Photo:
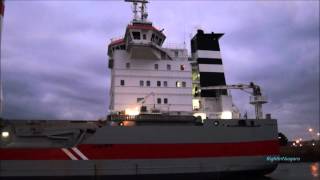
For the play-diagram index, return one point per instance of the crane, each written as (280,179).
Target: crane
(256,97)
(143,100)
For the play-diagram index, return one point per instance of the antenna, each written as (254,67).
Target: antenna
(142,17)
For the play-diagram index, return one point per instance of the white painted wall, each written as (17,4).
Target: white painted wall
(207,54)
(122,97)
(211,68)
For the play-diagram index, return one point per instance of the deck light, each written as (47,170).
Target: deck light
(5,134)
(226,115)
(132,111)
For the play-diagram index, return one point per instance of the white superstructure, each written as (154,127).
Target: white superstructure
(147,78)
(146,75)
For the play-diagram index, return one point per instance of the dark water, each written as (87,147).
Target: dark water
(285,171)
(296,171)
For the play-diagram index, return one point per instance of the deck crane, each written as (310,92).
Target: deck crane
(256,98)
(143,100)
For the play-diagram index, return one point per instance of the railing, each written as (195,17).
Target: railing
(175,45)
(258,99)
(116,38)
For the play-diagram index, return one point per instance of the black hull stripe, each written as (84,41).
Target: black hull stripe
(209,61)
(245,174)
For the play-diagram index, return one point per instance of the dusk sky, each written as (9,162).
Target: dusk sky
(54,54)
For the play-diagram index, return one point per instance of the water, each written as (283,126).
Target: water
(290,171)
(284,171)
(296,171)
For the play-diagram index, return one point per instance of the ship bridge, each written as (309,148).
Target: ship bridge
(142,40)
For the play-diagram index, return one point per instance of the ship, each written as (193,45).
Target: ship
(170,114)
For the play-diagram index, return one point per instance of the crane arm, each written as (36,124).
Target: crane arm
(256,88)
(142,101)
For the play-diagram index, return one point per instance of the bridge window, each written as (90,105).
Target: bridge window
(136,35)
(152,37)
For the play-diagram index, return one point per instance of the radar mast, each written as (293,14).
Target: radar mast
(139,10)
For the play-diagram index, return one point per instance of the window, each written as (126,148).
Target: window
(168,67)
(144,36)
(158,83)
(141,83)
(159,42)
(165,101)
(178,84)
(159,100)
(176,53)
(163,55)
(136,35)
(184,84)
(122,82)
(156,66)
(182,67)
(127,65)
(140,99)
(152,37)
(165,83)
(148,83)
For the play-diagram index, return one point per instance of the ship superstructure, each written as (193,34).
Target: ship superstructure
(148,78)
(144,75)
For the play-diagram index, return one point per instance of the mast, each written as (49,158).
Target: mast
(1,90)
(141,15)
